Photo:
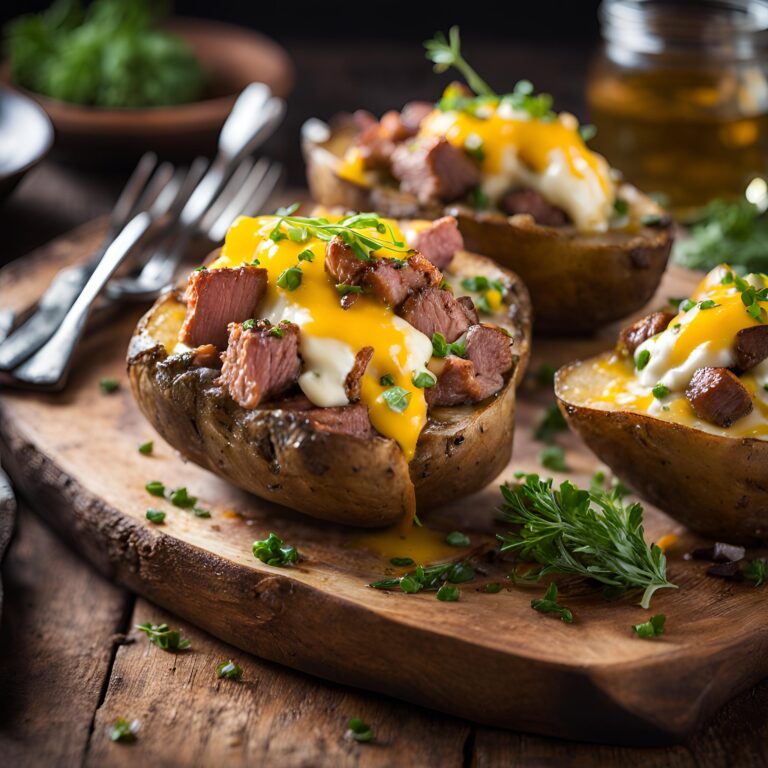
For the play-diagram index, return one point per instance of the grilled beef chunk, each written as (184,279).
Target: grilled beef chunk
(346,420)
(377,139)
(260,362)
(218,297)
(634,335)
(488,347)
(751,346)
(717,396)
(479,375)
(206,356)
(440,241)
(532,202)
(390,280)
(469,309)
(434,169)
(352,382)
(414,113)
(436,311)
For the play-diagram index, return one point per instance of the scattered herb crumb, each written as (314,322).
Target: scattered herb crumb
(549,604)
(164,637)
(156,516)
(448,593)
(401,562)
(109,386)
(359,730)
(457,539)
(229,670)
(145,449)
(155,488)
(757,571)
(553,457)
(552,424)
(122,731)
(492,588)
(274,551)
(654,627)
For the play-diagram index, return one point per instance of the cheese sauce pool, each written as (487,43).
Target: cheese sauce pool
(331,336)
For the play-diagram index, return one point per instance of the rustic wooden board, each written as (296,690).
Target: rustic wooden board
(488,657)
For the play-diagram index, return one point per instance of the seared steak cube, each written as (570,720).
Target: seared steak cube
(717,396)
(440,241)
(751,346)
(531,202)
(634,335)
(434,310)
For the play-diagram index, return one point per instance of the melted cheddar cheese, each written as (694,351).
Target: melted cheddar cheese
(331,336)
(702,336)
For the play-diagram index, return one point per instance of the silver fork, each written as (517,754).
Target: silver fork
(17,345)
(247,192)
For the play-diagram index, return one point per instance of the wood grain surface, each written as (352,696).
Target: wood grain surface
(488,657)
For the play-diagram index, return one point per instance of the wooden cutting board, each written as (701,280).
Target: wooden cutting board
(488,657)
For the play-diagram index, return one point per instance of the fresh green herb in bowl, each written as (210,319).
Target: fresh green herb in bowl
(110,54)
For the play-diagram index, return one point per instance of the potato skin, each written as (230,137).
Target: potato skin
(578,282)
(278,455)
(717,486)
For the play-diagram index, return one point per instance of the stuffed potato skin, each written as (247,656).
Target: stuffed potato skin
(578,282)
(278,455)
(717,486)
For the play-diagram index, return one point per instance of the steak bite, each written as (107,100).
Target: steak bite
(350,420)
(717,396)
(634,335)
(469,309)
(352,382)
(436,311)
(261,361)
(480,375)
(533,203)
(217,297)
(440,241)
(751,346)
(434,169)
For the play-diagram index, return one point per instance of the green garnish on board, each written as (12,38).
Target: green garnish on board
(274,551)
(164,637)
(113,53)
(553,457)
(427,578)
(756,571)
(654,627)
(549,604)
(359,731)
(145,449)
(108,385)
(551,425)
(123,731)
(592,534)
(229,670)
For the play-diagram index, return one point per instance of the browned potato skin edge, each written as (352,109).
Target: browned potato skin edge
(578,283)
(277,455)
(709,483)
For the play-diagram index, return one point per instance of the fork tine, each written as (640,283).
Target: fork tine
(192,177)
(231,191)
(257,190)
(125,207)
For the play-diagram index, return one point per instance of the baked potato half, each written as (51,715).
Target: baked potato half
(679,411)
(578,281)
(280,455)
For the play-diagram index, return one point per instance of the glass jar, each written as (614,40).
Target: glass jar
(679,96)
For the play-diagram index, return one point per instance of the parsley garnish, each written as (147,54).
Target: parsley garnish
(274,551)
(156,516)
(180,497)
(750,296)
(641,359)
(660,391)
(424,380)
(446,53)
(229,670)
(145,449)
(757,571)
(553,457)
(290,279)
(448,593)
(249,324)
(164,637)
(441,348)
(544,376)
(109,386)
(276,331)
(387,380)
(621,206)
(156,488)
(457,539)
(401,562)
(122,731)
(430,578)
(306,255)
(549,604)
(478,199)
(708,304)
(654,627)
(587,132)
(493,588)
(585,533)
(552,423)
(396,398)
(359,730)
(344,288)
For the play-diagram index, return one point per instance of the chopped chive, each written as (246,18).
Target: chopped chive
(156,488)
(660,391)
(396,398)
(290,279)
(642,358)
(146,448)
(156,516)
(108,386)
(448,593)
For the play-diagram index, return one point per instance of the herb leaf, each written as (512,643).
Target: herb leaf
(164,637)
(145,449)
(446,53)
(109,386)
(156,516)
(122,731)
(359,730)
(549,604)
(229,670)
(585,533)
(396,398)
(654,627)
(457,539)
(552,423)
(757,571)
(553,457)
(274,551)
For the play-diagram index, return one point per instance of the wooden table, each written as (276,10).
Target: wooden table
(72,662)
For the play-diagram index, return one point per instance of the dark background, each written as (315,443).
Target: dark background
(346,56)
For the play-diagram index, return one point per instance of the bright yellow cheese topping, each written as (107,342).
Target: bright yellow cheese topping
(400,350)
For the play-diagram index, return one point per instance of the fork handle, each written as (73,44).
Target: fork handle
(49,366)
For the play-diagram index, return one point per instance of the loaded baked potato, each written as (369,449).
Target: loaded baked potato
(324,364)
(524,186)
(680,409)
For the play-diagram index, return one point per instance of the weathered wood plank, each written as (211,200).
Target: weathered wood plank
(56,646)
(273,716)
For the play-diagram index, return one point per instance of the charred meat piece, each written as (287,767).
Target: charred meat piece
(260,362)
(531,202)
(346,420)
(751,346)
(440,241)
(352,382)
(436,311)
(456,384)
(217,297)
(434,169)
(342,264)
(469,309)
(488,347)
(377,139)
(717,396)
(414,113)
(634,335)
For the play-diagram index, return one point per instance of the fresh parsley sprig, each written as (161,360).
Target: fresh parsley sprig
(274,551)
(750,296)
(164,637)
(584,533)
(549,604)
(446,53)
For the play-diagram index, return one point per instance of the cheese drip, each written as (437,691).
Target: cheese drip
(331,336)
(697,338)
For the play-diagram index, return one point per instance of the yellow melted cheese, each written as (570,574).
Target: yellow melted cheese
(694,339)
(331,336)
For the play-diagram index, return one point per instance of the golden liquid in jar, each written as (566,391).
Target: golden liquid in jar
(691,136)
